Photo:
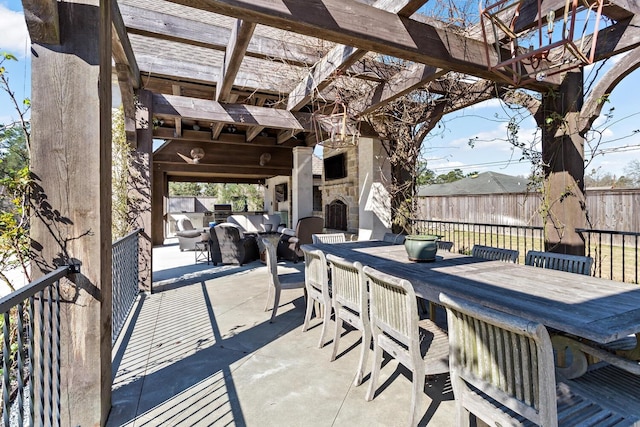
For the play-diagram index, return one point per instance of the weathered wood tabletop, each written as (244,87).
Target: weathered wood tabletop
(597,309)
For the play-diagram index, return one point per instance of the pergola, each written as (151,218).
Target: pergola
(241,78)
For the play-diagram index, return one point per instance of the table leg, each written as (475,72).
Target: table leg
(571,362)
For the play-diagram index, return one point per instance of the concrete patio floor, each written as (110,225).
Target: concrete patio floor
(200,351)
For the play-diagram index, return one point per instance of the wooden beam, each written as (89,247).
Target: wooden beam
(597,96)
(253,132)
(122,51)
(206,73)
(286,135)
(620,37)
(216,129)
(210,35)
(339,59)
(213,111)
(221,168)
(221,153)
(405,81)
(128,102)
(350,22)
(42,21)
(177,91)
(236,48)
(214,179)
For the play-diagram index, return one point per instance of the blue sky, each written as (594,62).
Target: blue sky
(444,151)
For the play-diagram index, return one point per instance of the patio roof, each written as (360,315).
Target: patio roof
(247,77)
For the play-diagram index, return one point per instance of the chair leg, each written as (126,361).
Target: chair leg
(307,315)
(325,324)
(336,335)
(266,307)
(276,302)
(416,395)
(364,352)
(375,370)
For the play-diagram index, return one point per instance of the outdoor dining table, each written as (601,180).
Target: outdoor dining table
(591,308)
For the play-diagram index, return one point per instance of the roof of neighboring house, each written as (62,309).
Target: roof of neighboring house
(483,183)
(316,165)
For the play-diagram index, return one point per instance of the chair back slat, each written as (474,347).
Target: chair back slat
(502,357)
(328,238)
(495,254)
(393,305)
(562,262)
(346,284)
(315,270)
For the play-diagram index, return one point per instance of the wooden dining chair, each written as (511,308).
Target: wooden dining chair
(396,239)
(316,277)
(502,371)
(328,238)
(444,245)
(278,282)
(351,305)
(495,254)
(419,345)
(563,262)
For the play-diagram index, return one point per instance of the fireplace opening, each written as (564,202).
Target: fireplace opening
(336,215)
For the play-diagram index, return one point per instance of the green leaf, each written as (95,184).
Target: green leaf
(27,102)
(9,56)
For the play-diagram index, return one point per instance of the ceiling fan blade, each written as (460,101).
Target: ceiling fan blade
(187,159)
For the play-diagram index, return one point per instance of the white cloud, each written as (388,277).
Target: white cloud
(15,35)
(490,103)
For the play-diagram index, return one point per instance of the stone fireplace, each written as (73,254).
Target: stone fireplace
(340,189)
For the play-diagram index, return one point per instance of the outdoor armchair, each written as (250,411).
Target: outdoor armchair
(228,245)
(291,240)
(188,235)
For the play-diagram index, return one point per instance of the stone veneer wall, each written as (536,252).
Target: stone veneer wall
(344,189)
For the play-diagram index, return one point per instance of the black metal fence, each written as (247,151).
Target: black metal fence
(31,352)
(125,278)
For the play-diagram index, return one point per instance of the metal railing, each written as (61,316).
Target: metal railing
(466,234)
(31,351)
(615,253)
(125,286)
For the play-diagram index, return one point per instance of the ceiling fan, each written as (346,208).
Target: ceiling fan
(196,154)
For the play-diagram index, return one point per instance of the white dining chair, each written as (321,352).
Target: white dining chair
(316,277)
(278,282)
(420,345)
(328,238)
(351,305)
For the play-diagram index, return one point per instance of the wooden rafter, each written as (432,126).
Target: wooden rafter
(121,46)
(340,58)
(334,20)
(236,48)
(163,26)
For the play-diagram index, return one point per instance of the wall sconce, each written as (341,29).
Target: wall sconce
(264,158)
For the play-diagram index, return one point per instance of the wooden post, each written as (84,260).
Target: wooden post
(140,186)
(71,164)
(564,207)
(160,190)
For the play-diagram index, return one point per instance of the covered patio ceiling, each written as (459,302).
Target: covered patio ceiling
(239,79)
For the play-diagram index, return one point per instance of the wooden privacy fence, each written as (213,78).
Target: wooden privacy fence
(607,209)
